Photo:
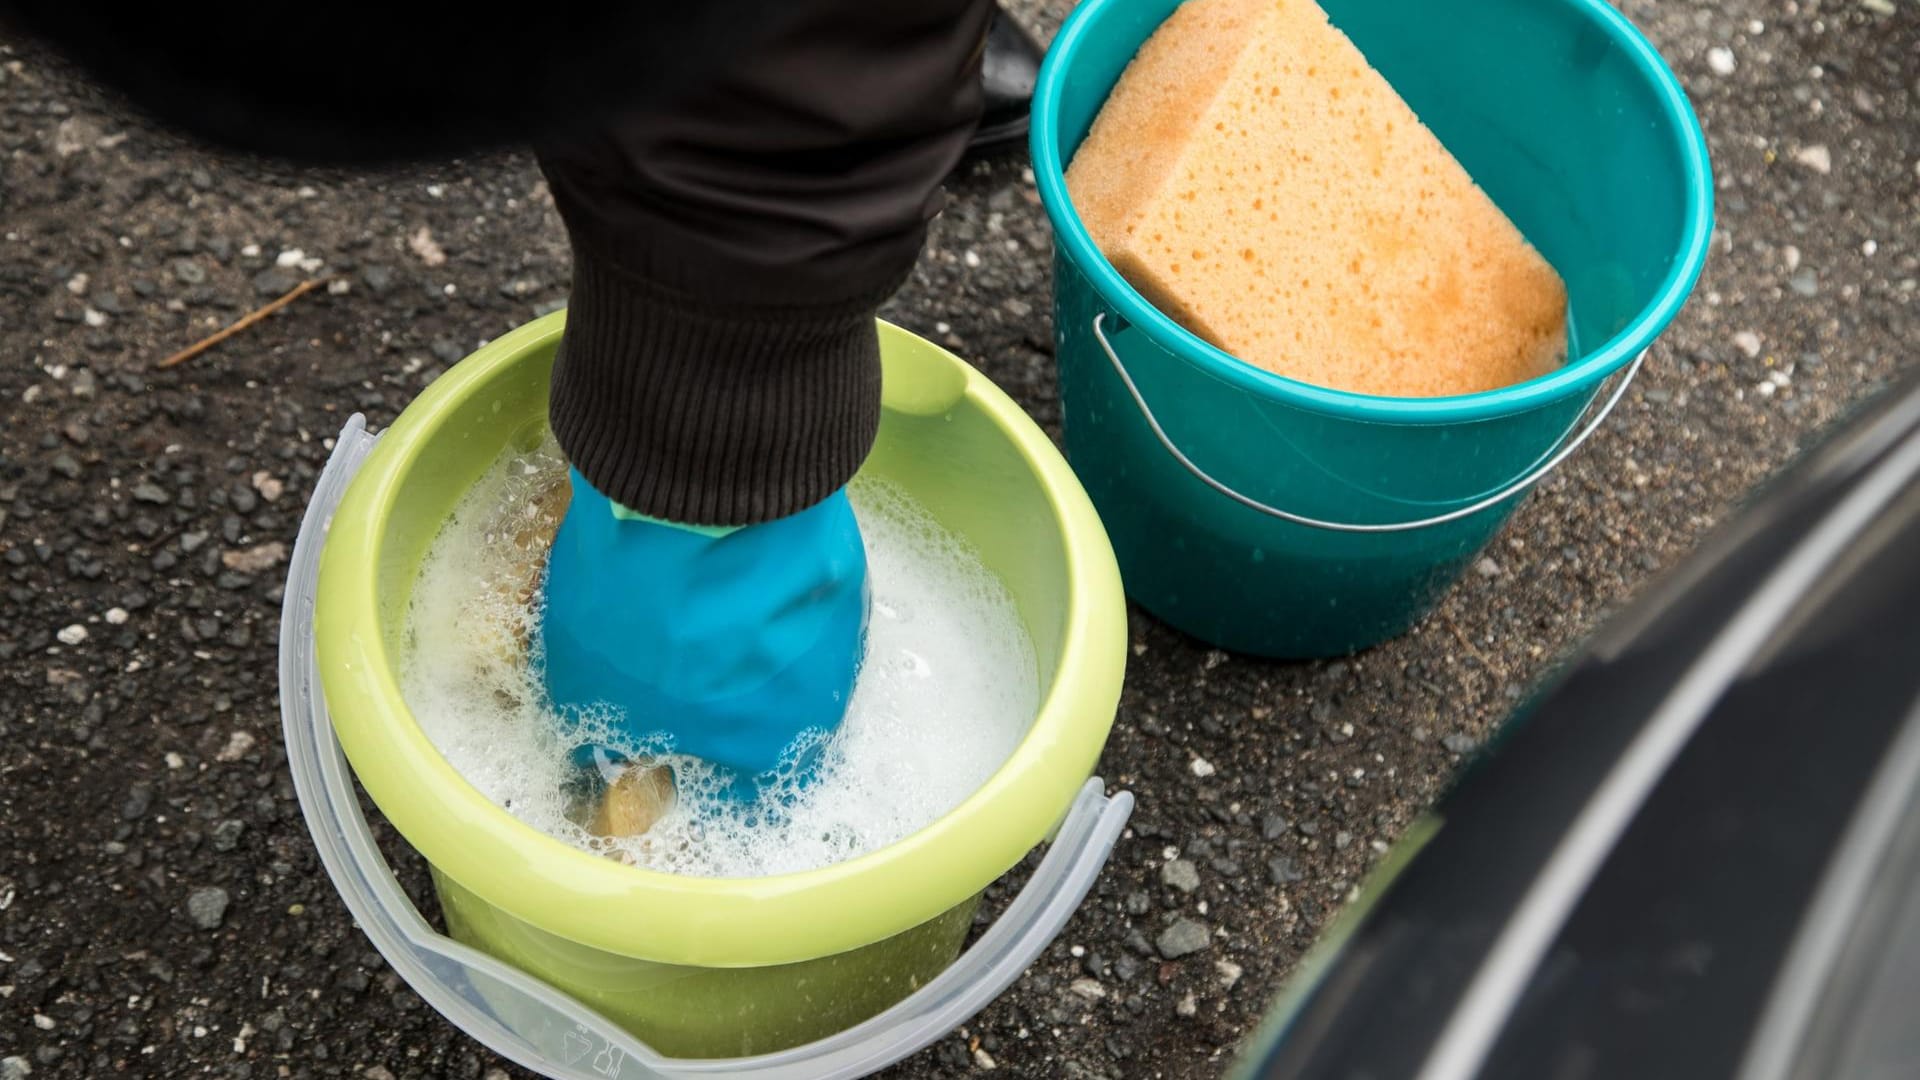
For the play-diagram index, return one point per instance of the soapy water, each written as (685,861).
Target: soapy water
(947,689)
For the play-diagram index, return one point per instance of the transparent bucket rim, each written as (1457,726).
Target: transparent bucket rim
(569,1040)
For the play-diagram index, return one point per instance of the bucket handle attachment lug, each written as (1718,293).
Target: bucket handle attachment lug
(1567,447)
(552,1032)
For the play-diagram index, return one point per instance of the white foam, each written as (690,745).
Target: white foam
(948,688)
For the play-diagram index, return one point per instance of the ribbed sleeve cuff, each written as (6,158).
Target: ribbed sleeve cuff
(709,414)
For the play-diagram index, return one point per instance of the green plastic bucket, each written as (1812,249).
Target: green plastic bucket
(1269,516)
(694,967)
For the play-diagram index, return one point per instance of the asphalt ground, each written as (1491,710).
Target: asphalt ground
(161,910)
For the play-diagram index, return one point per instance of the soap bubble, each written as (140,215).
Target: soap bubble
(952,689)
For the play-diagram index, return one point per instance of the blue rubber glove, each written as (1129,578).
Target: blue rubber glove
(726,644)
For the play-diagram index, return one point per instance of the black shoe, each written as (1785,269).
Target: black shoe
(1008,71)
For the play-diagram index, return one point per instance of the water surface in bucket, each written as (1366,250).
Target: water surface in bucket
(948,688)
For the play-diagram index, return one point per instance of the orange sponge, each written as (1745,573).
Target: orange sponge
(1258,182)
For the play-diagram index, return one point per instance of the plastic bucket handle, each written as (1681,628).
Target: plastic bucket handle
(1568,444)
(572,1041)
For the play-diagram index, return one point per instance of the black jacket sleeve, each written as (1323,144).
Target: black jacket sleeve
(367,84)
(743,181)
(721,362)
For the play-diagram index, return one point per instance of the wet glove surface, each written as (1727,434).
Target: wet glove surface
(728,645)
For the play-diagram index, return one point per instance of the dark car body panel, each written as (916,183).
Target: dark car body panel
(1799,622)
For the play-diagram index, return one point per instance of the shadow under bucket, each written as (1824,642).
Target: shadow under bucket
(1270,516)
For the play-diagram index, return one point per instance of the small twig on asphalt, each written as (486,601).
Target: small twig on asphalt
(158,542)
(242,323)
(1466,642)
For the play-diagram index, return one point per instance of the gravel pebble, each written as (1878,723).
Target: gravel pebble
(72,635)
(1816,157)
(139,798)
(1088,988)
(1183,938)
(274,282)
(207,907)
(1282,871)
(1720,60)
(1273,827)
(423,245)
(1180,874)
(237,746)
(226,835)
(147,491)
(255,559)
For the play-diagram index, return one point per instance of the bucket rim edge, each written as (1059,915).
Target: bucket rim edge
(698,921)
(1580,376)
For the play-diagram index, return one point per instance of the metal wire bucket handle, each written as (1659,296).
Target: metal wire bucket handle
(1567,447)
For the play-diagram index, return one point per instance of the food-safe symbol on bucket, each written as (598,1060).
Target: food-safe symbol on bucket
(609,1062)
(582,1041)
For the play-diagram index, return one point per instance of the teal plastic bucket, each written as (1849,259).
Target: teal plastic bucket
(1269,516)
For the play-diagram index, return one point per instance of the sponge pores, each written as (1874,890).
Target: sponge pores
(1256,180)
